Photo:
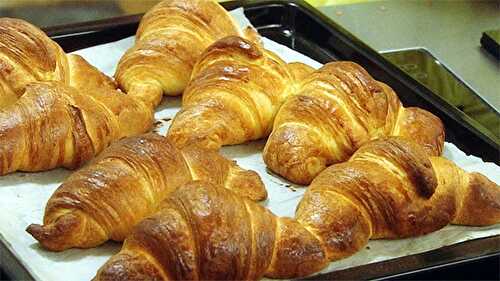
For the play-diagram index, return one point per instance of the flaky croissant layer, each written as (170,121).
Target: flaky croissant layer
(53,125)
(27,55)
(56,110)
(203,232)
(126,183)
(170,38)
(389,189)
(337,109)
(234,93)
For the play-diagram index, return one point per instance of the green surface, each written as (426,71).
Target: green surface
(450,30)
(495,35)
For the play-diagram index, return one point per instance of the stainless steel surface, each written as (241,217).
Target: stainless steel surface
(450,30)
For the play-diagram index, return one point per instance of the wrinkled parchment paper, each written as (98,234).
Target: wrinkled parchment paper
(23,195)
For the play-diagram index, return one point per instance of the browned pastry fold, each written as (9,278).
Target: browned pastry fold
(390,188)
(56,110)
(53,125)
(235,91)
(27,55)
(170,38)
(203,232)
(126,183)
(337,109)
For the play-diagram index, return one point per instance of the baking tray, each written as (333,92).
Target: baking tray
(301,27)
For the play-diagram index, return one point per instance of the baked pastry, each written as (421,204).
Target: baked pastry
(202,232)
(338,108)
(171,37)
(126,183)
(390,188)
(54,125)
(56,110)
(235,91)
(27,55)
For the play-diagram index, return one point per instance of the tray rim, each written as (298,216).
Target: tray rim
(74,29)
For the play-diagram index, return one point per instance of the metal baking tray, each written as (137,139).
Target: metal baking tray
(301,27)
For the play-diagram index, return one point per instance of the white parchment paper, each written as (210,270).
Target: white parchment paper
(23,195)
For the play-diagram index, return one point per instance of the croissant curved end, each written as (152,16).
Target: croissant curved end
(60,235)
(288,157)
(247,183)
(54,236)
(480,202)
(124,267)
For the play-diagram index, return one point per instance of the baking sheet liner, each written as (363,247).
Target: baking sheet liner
(23,195)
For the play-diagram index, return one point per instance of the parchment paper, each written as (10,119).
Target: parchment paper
(23,195)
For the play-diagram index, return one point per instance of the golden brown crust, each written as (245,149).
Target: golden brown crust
(406,155)
(337,109)
(84,76)
(422,127)
(54,125)
(56,109)
(204,232)
(481,202)
(27,55)
(96,200)
(233,96)
(390,188)
(170,38)
(477,197)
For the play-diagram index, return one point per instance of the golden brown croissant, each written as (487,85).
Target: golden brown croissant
(235,91)
(127,182)
(338,108)
(202,232)
(54,125)
(27,55)
(56,109)
(389,189)
(170,38)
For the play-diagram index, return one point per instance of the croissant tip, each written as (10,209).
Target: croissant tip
(34,230)
(42,234)
(55,236)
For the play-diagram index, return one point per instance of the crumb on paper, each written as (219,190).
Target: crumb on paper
(289,186)
(159,123)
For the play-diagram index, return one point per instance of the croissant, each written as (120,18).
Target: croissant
(337,109)
(202,232)
(236,89)
(56,109)
(54,125)
(390,188)
(27,55)
(170,38)
(126,183)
